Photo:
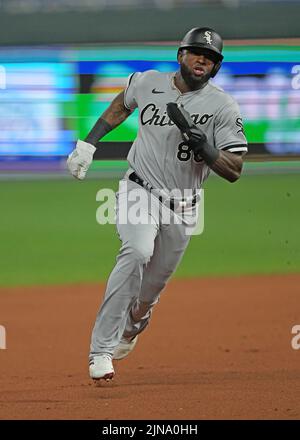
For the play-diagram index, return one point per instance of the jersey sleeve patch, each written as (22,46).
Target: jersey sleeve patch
(229,130)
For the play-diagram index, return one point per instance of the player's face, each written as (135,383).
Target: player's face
(195,66)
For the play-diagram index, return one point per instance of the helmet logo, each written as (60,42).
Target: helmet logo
(207,36)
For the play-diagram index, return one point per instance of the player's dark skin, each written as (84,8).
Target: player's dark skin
(228,165)
(189,78)
(116,113)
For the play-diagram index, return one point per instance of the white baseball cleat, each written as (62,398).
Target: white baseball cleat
(101,367)
(124,348)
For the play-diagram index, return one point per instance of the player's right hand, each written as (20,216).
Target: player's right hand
(80,159)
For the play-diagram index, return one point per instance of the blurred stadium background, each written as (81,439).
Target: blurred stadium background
(62,62)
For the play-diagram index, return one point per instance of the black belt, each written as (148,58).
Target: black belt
(171,202)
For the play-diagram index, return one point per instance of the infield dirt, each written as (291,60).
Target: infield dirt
(217,348)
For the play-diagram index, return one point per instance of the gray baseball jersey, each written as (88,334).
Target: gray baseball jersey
(152,250)
(159,155)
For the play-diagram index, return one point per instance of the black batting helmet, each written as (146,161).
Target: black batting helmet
(208,39)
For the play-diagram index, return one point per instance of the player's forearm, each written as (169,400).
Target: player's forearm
(116,112)
(113,116)
(228,165)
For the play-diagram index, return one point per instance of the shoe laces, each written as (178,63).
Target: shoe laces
(102,357)
(127,340)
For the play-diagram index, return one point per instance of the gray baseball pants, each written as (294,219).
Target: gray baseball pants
(150,253)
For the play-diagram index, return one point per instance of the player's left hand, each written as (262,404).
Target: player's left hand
(80,159)
(191,134)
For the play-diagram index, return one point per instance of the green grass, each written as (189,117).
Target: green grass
(49,234)
(251,227)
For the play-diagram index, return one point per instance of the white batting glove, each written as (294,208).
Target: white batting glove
(80,159)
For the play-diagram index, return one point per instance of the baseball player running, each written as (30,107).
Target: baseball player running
(187,127)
